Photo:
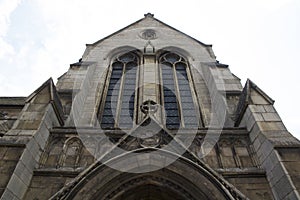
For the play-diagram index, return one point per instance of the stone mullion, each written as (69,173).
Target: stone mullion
(119,104)
(137,93)
(162,97)
(236,157)
(178,98)
(104,94)
(219,157)
(194,95)
(78,157)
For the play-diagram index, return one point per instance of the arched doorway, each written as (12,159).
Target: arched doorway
(182,179)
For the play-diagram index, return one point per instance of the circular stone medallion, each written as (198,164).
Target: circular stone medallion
(148,34)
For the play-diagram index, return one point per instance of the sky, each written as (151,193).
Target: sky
(258,39)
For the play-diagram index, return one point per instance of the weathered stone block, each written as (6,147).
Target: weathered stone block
(7,194)
(23,173)
(2,152)
(28,124)
(257,108)
(282,188)
(13,153)
(271,117)
(17,186)
(271,126)
(269,108)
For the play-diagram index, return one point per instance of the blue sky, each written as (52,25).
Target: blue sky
(259,39)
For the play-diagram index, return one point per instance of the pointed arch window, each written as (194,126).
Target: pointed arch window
(71,153)
(177,94)
(119,106)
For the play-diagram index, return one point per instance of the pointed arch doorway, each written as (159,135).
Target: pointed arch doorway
(182,179)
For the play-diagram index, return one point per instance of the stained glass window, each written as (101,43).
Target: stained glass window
(118,109)
(177,95)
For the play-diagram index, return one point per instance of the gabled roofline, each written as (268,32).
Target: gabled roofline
(54,99)
(261,92)
(245,99)
(148,15)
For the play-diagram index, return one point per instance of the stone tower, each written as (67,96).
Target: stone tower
(147,113)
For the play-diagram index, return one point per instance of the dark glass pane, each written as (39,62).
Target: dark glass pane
(172,126)
(129,61)
(172,58)
(168,76)
(169,99)
(184,87)
(129,81)
(116,73)
(190,120)
(114,86)
(188,111)
(107,126)
(128,57)
(131,72)
(172,122)
(131,66)
(172,113)
(129,87)
(108,120)
(182,76)
(187,99)
(128,92)
(107,112)
(183,82)
(117,65)
(172,106)
(112,96)
(168,93)
(130,76)
(112,92)
(185,93)
(128,96)
(168,82)
(180,66)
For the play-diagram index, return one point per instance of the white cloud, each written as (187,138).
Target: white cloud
(258,39)
(6,8)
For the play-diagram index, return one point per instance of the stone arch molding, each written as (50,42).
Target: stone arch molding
(111,55)
(176,50)
(183,179)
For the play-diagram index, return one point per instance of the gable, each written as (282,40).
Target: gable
(161,35)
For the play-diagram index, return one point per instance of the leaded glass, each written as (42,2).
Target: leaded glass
(172,63)
(124,71)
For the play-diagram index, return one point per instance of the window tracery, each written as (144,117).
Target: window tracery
(71,154)
(119,106)
(119,109)
(177,95)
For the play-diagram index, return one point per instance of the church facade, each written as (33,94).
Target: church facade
(147,113)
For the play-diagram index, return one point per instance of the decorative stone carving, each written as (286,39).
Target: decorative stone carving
(149,107)
(149,15)
(4,126)
(148,34)
(149,139)
(3,114)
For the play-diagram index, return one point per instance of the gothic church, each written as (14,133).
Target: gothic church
(147,113)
